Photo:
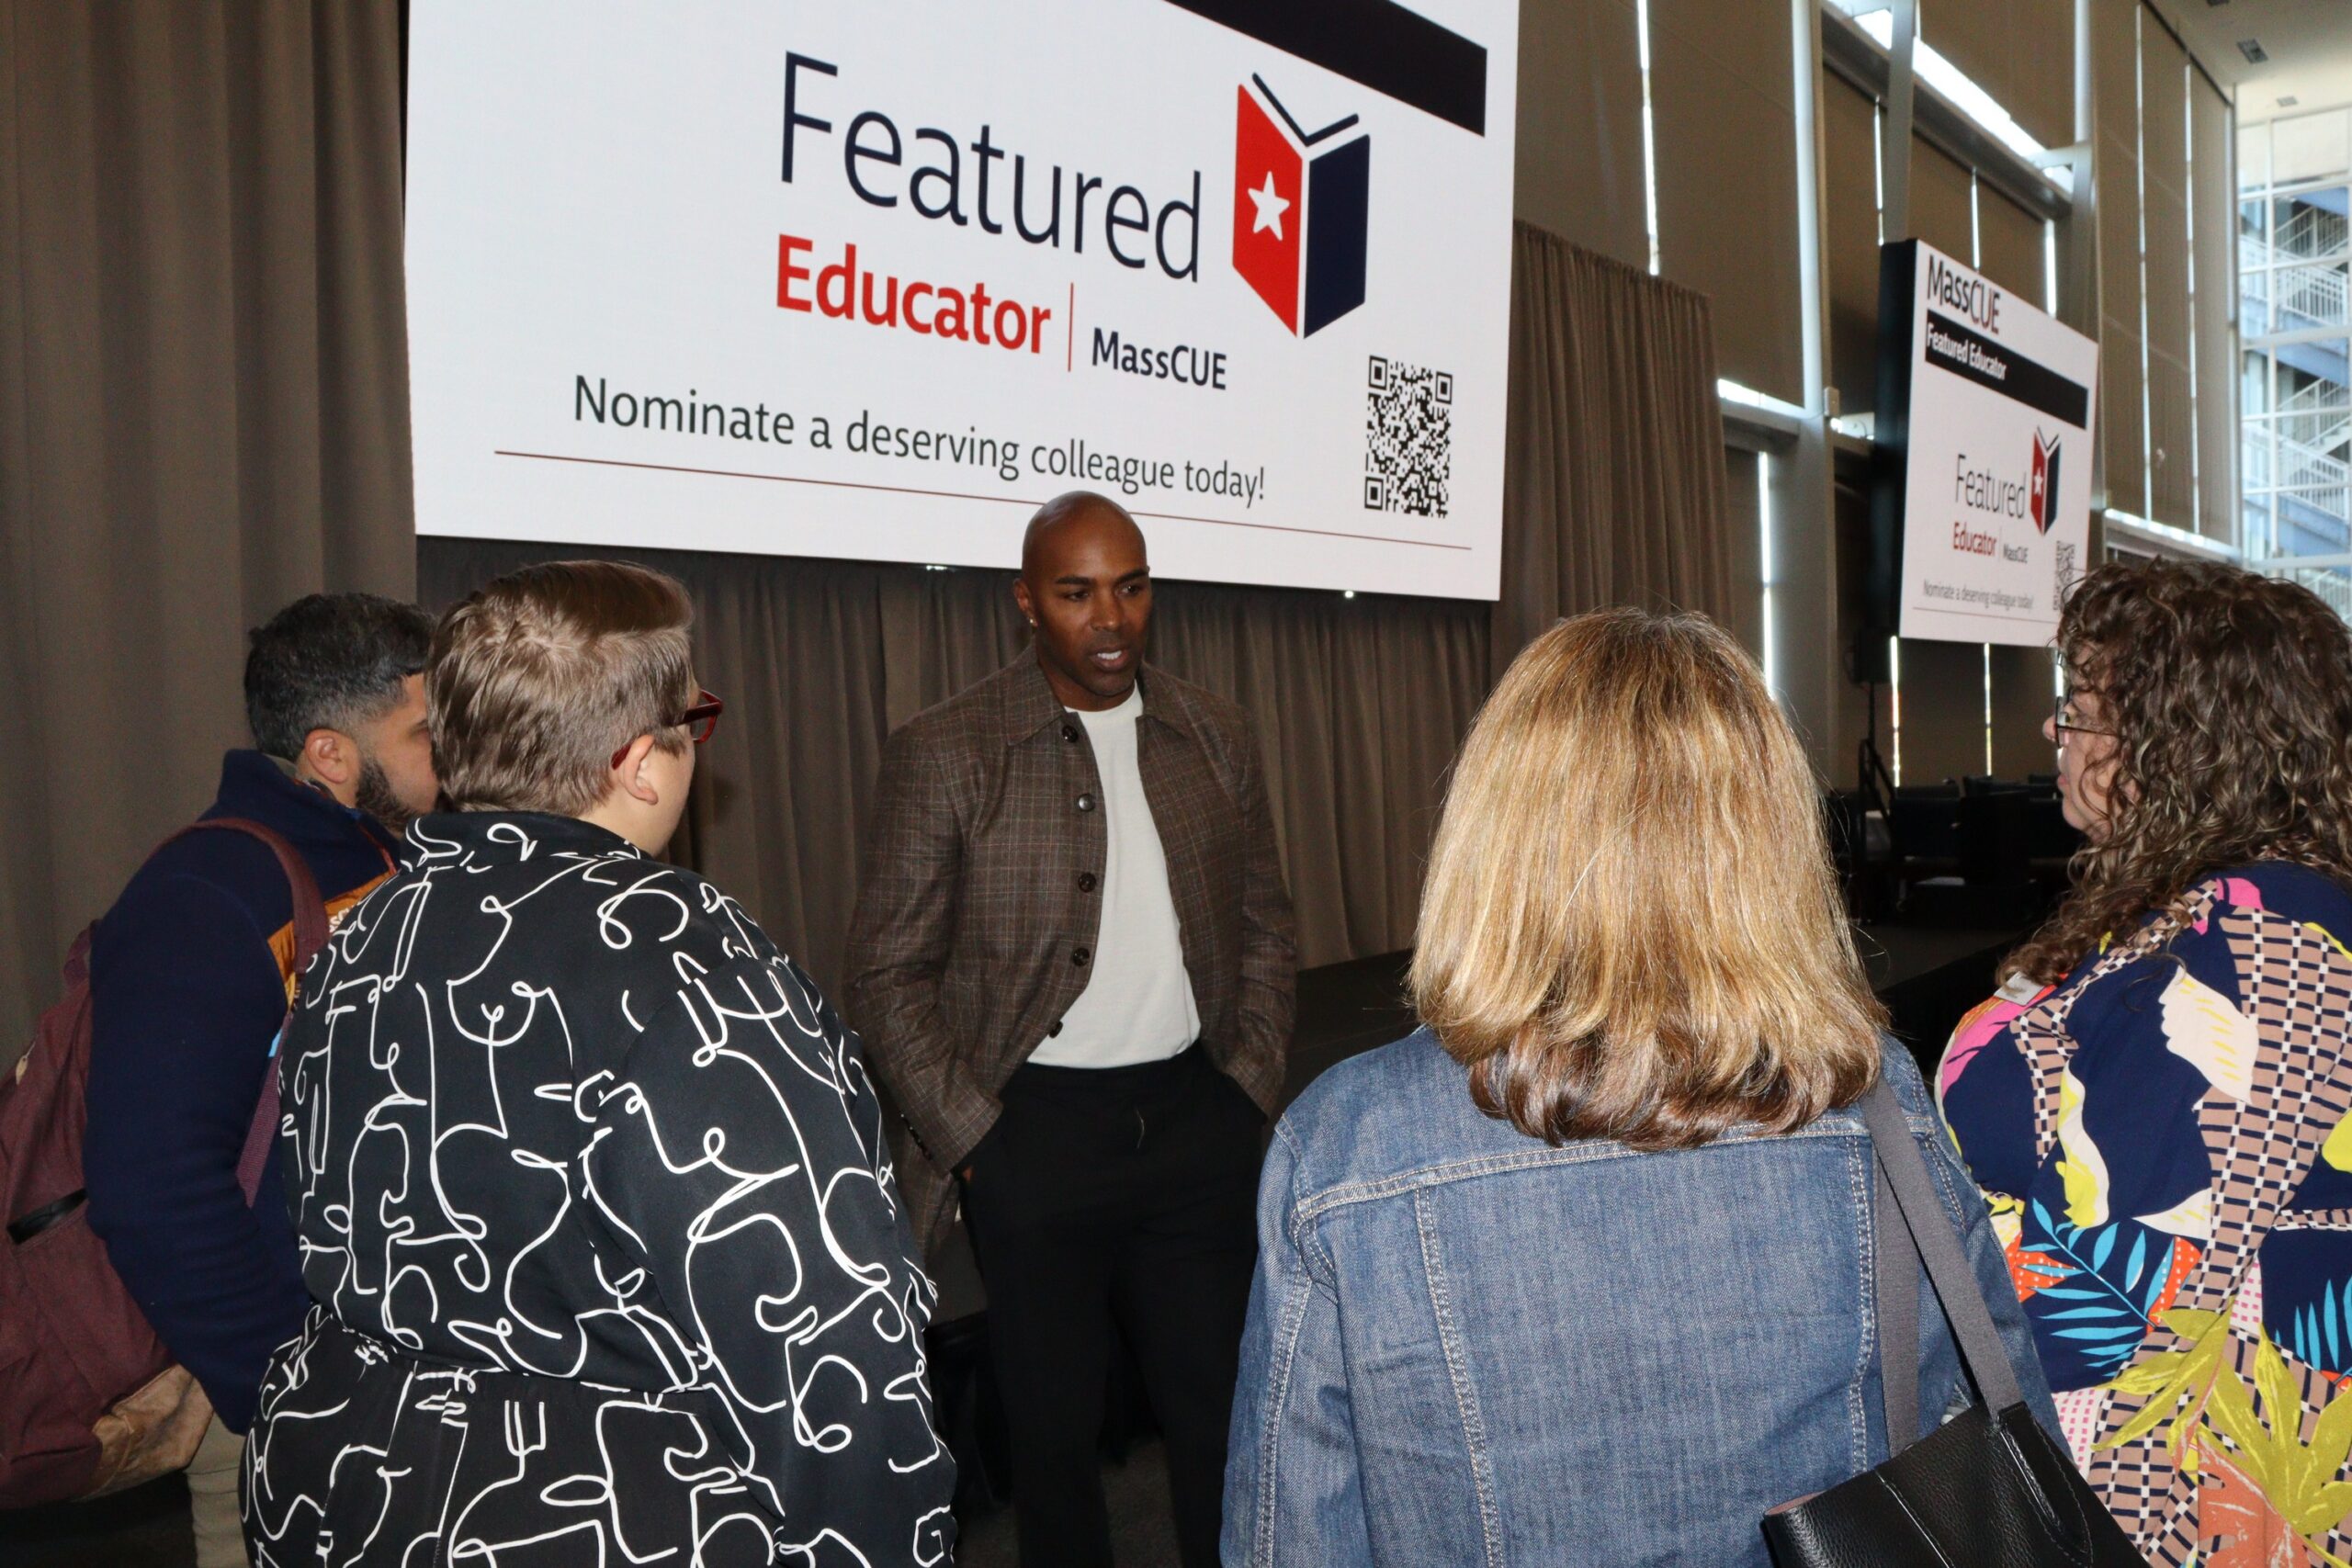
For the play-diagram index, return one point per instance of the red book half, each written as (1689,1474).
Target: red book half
(1286,179)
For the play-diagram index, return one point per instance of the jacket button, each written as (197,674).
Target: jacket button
(1086,882)
(1056,1028)
(1079,955)
(1069,733)
(1086,803)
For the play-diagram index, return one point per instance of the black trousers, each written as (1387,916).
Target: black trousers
(1125,1195)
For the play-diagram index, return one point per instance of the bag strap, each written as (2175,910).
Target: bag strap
(1903,1175)
(310,909)
(310,933)
(1896,1288)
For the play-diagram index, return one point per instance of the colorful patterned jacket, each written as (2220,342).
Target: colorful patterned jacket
(2163,1138)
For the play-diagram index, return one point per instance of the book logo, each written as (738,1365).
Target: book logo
(1301,205)
(2042,500)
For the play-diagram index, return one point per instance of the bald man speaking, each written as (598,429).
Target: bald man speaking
(1072,963)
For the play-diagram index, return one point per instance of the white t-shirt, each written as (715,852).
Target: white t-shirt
(1137,1005)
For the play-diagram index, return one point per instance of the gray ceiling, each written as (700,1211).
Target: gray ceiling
(2309,43)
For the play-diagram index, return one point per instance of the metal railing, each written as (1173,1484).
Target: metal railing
(2332,580)
(2311,233)
(2296,456)
(2297,461)
(2312,430)
(2309,297)
(2318,394)
(2307,252)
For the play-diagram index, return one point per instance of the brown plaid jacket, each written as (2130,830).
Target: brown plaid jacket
(980,905)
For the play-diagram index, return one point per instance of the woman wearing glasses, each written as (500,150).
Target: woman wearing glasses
(607,1259)
(2154,1102)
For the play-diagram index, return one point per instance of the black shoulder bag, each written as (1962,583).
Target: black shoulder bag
(1989,1488)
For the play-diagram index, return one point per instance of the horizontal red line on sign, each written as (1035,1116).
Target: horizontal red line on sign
(963,495)
(1977,615)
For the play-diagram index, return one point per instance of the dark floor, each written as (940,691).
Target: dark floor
(1143,1529)
(144,1528)
(1928,977)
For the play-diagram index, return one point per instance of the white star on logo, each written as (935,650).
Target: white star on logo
(1269,207)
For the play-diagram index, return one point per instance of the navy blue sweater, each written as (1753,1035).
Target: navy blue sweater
(187,996)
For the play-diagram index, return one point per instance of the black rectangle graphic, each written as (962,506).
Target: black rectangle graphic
(1374,43)
(1972,357)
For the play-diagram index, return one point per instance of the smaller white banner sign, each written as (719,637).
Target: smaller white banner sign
(1997,487)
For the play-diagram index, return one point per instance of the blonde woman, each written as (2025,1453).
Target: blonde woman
(1580,1271)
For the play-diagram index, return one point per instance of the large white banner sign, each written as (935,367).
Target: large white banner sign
(1995,435)
(875,280)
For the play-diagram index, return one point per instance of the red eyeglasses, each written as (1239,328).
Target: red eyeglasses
(700,722)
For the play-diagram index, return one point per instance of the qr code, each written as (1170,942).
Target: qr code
(2066,572)
(1408,438)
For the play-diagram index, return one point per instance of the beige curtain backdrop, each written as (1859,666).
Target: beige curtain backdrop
(203,413)
(1359,704)
(1613,476)
(1613,494)
(203,406)
(1726,177)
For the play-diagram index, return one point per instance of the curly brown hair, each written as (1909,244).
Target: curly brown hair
(2230,694)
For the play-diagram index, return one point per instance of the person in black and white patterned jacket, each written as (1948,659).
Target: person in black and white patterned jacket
(608,1257)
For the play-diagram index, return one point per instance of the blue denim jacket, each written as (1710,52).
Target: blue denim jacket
(1468,1347)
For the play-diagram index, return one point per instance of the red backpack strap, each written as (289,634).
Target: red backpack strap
(310,909)
(309,936)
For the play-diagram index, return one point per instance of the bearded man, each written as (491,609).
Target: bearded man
(189,976)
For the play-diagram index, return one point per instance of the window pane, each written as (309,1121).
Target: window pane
(2254,302)
(2306,296)
(2313,375)
(2309,225)
(2310,434)
(2254,525)
(2253,157)
(2312,512)
(2311,522)
(2254,460)
(2330,583)
(2294,456)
